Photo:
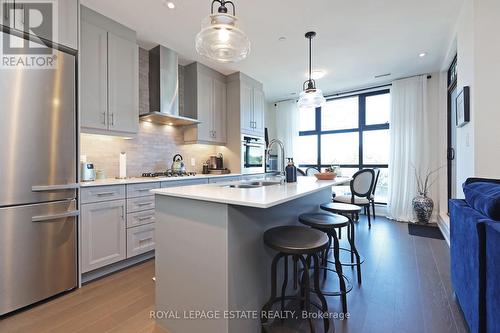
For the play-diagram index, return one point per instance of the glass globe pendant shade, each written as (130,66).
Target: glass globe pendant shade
(311,98)
(221,40)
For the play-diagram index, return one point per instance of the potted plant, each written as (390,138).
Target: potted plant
(422,204)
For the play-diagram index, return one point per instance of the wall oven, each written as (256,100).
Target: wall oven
(253,151)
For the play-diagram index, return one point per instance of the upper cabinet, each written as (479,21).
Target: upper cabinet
(59,19)
(205,100)
(248,101)
(109,76)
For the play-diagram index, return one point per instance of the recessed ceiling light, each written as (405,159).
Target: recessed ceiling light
(423,54)
(169,4)
(282,39)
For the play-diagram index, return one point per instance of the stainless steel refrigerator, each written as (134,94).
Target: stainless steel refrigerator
(38,183)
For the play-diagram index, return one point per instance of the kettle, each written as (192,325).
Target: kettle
(178,165)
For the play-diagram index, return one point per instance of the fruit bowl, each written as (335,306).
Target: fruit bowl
(325,175)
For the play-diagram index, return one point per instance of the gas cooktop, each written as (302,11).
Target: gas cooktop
(168,174)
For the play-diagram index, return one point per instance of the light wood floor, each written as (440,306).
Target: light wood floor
(119,303)
(406,288)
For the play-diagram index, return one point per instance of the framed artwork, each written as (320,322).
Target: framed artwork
(463,107)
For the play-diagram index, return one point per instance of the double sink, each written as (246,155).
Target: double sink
(255,184)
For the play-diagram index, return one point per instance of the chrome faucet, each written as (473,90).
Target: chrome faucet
(280,143)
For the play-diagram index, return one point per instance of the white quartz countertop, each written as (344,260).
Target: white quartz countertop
(138,180)
(261,197)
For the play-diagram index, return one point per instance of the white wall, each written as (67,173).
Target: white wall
(271,120)
(478,48)
(465,63)
(487,73)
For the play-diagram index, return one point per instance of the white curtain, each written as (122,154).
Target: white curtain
(287,126)
(413,135)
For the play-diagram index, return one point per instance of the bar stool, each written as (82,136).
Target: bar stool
(349,211)
(302,244)
(328,223)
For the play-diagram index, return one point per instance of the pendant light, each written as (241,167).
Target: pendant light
(310,97)
(220,38)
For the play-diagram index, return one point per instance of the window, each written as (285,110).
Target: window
(352,132)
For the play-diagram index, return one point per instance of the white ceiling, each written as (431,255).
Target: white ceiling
(357,39)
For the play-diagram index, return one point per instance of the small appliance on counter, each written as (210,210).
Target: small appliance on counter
(88,172)
(217,162)
(216,165)
(178,165)
(206,168)
(291,171)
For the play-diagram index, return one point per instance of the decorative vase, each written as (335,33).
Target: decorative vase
(423,207)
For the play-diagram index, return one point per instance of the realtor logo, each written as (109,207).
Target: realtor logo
(35,18)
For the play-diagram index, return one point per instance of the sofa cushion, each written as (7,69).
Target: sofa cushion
(484,197)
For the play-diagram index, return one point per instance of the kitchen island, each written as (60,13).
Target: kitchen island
(212,267)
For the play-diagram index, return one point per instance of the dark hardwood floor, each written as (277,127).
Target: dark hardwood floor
(406,288)
(406,285)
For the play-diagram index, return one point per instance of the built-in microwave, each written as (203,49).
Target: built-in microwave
(253,151)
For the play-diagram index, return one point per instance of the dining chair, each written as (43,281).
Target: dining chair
(372,199)
(361,191)
(311,171)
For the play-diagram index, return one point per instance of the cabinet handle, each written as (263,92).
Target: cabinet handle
(50,188)
(112,115)
(104,193)
(43,218)
(143,189)
(141,241)
(144,218)
(103,117)
(140,204)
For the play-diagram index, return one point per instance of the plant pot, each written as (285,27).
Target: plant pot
(423,207)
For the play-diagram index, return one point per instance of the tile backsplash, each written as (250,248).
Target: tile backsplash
(153,148)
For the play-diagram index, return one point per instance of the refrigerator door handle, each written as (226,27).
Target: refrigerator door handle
(43,218)
(50,188)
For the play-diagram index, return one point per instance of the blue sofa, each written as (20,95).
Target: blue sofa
(475,253)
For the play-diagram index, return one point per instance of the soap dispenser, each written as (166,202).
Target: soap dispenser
(291,172)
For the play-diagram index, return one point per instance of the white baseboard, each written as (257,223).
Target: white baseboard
(444,226)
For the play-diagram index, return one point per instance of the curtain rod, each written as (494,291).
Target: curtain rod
(358,90)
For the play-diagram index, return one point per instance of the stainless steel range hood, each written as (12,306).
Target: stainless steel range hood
(164,89)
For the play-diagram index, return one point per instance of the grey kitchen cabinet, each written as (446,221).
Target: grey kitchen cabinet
(123,80)
(62,26)
(103,234)
(218,180)
(140,204)
(102,193)
(140,239)
(205,100)
(187,182)
(258,111)
(246,104)
(109,76)
(94,77)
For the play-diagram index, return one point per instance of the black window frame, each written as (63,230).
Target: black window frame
(362,128)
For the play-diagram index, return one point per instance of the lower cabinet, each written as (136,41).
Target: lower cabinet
(217,180)
(103,234)
(140,239)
